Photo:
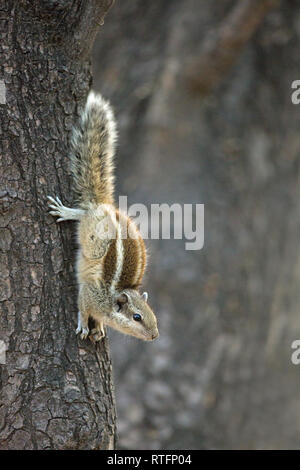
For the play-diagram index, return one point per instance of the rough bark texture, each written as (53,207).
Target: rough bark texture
(220,375)
(56,391)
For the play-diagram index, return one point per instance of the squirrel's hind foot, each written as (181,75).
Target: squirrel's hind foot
(63,212)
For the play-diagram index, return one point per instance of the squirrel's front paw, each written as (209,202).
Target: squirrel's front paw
(84,332)
(97,334)
(81,329)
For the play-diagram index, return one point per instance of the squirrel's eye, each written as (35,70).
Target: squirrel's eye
(137,317)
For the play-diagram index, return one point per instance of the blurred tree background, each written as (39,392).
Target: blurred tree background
(202,94)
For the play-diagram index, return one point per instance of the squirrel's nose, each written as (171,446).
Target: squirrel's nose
(155,335)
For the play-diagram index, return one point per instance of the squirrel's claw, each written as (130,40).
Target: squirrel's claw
(55,201)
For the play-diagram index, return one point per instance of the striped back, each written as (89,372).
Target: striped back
(125,262)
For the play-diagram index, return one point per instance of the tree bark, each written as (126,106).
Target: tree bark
(56,390)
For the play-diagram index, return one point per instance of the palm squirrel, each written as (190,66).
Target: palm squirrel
(112,255)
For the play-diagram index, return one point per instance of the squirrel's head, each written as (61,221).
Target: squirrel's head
(133,316)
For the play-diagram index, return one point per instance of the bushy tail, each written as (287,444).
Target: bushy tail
(93,145)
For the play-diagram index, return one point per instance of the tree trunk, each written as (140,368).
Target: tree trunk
(56,390)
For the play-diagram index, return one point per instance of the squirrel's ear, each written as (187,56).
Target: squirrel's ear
(145,296)
(123,298)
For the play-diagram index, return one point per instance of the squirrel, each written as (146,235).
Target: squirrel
(112,256)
